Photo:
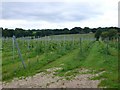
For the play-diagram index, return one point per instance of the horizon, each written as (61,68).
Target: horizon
(57,28)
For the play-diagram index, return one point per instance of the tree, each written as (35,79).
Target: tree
(87,30)
(75,30)
(98,34)
(66,31)
(112,33)
(104,34)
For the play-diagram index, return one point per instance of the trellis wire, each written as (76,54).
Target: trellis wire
(46,41)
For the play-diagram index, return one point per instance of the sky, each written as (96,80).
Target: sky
(52,14)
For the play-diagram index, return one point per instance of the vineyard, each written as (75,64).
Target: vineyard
(69,52)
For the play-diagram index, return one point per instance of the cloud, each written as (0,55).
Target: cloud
(59,14)
(48,11)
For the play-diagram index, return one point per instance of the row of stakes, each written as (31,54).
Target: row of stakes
(15,44)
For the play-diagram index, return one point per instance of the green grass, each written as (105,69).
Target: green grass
(35,58)
(70,36)
(95,60)
(53,53)
(99,61)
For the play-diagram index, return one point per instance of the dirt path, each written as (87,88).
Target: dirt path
(43,80)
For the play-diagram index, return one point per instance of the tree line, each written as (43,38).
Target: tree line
(110,34)
(37,33)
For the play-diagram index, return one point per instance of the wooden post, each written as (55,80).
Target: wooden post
(37,46)
(13,48)
(28,44)
(107,46)
(64,43)
(80,45)
(73,41)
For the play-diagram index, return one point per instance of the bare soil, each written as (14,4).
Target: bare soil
(49,80)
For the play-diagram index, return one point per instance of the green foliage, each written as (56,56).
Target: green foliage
(104,35)
(112,33)
(41,53)
(37,33)
(53,53)
(97,34)
(109,34)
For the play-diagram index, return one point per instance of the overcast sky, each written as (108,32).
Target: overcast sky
(52,14)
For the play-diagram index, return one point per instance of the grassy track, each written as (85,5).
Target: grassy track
(96,61)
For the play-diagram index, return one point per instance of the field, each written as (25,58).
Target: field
(69,52)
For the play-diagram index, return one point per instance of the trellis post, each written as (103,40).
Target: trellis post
(19,52)
(80,45)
